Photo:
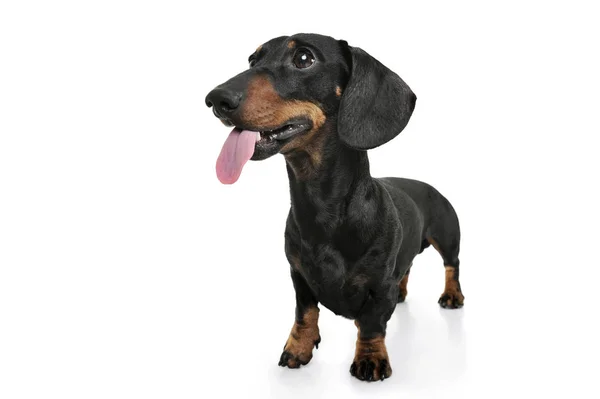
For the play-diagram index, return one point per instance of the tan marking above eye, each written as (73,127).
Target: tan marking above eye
(338,91)
(291,44)
(258,48)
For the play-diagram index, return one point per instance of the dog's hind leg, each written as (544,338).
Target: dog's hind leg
(444,236)
(402,287)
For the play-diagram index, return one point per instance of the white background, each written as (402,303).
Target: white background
(128,271)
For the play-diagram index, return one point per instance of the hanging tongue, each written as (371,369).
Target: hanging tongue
(236,151)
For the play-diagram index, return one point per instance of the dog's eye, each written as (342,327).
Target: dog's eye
(303,58)
(252,62)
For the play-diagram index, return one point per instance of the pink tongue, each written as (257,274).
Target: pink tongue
(236,151)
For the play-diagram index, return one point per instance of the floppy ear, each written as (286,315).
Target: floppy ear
(376,104)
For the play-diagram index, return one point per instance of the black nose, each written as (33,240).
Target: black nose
(223,101)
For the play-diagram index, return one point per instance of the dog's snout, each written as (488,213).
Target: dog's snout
(223,101)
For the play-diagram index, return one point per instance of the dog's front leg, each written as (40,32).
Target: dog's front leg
(371,361)
(305,332)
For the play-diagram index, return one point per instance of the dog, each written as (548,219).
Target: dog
(350,238)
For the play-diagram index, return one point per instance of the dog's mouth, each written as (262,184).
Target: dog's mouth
(243,142)
(284,132)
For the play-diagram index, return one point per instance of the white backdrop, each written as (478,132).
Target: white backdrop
(127,270)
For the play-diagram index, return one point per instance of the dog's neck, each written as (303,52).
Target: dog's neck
(324,181)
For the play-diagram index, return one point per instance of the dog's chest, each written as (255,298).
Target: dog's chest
(327,272)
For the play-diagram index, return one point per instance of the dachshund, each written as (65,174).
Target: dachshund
(350,238)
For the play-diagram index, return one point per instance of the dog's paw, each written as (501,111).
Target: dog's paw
(402,296)
(292,361)
(371,368)
(297,353)
(452,300)
(371,361)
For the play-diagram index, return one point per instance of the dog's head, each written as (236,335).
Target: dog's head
(295,88)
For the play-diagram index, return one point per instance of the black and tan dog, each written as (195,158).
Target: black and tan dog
(350,238)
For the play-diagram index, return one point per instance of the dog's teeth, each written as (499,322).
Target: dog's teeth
(257,136)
